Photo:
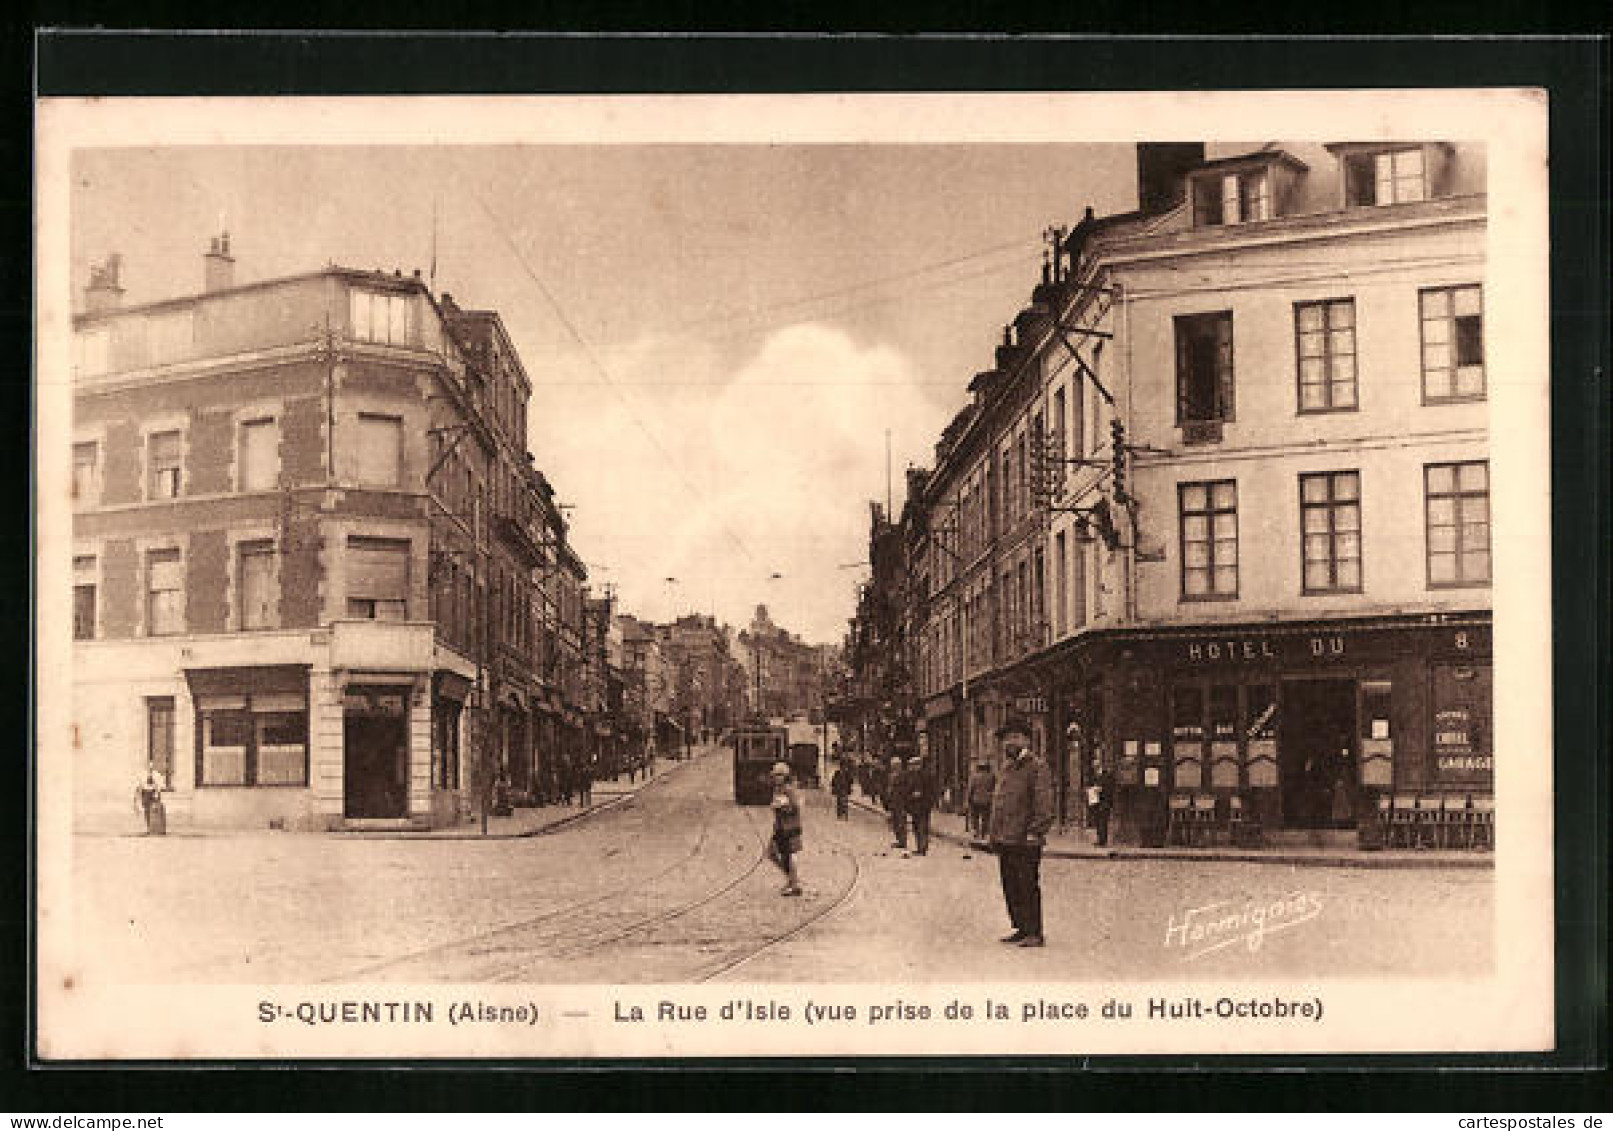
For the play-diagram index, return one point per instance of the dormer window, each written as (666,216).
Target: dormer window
(1234,198)
(1376,174)
(1243,190)
(1385,178)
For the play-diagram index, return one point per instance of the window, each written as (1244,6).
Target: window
(258,739)
(1458,501)
(377,578)
(163,455)
(84,598)
(1453,343)
(1395,177)
(255,583)
(165,593)
(380,450)
(1234,198)
(1325,333)
(1330,521)
(385,318)
(1209,539)
(1204,367)
(160,738)
(259,455)
(86,464)
(1061,582)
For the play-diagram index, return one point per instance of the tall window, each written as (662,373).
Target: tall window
(1204,367)
(1395,177)
(255,583)
(380,450)
(1061,582)
(1326,342)
(163,455)
(86,465)
(379,317)
(377,578)
(84,597)
(160,738)
(1458,501)
(1453,343)
(165,593)
(1209,539)
(1330,517)
(259,455)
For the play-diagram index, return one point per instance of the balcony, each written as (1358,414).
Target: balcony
(376,645)
(517,536)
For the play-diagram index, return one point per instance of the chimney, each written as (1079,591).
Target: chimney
(105,291)
(218,267)
(1161,166)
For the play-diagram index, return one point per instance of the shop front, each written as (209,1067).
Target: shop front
(1306,725)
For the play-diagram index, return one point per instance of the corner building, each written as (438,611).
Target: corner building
(1265,498)
(302,554)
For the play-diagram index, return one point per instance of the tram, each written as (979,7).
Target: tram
(756,747)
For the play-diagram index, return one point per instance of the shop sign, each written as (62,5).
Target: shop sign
(1030,705)
(1238,650)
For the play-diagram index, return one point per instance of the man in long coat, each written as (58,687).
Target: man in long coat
(1021,815)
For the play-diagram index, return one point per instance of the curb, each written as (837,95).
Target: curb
(524,834)
(1369,860)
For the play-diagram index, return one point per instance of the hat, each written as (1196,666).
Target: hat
(780,770)
(1014,725)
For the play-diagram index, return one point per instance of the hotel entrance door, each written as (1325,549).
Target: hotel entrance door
(1316,763)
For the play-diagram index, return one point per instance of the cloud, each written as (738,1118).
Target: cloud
(722,474)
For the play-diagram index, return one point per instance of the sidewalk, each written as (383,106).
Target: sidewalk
(1076,844)
(535,820)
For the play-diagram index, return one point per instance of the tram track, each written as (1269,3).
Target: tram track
(622,930)
(486,941)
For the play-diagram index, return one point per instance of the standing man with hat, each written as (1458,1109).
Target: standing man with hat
(1021,814)
(896,801)
(921,795)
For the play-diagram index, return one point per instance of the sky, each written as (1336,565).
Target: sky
(719,337)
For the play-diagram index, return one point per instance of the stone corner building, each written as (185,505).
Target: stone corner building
(1217,518)
(307,534)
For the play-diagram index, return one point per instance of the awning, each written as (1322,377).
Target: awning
(268,679)
(451,685)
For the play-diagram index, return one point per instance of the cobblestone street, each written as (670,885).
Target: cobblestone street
(669,885)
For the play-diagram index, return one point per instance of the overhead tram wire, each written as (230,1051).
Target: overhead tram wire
(1025,245)
(604,374)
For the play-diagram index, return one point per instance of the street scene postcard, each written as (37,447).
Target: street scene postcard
(793,576)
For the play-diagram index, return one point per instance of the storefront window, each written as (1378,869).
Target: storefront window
(1187,735)
(1260,734)
(1224,736)
(253,740)
(1377,740)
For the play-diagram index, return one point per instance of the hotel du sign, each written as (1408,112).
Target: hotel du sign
(1322,646)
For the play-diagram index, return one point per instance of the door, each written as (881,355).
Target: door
(375,754)
(1316,760)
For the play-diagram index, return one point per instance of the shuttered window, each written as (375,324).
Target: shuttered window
(379,450)
(377,578)
(259,455)
(163,456)
(256,582)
